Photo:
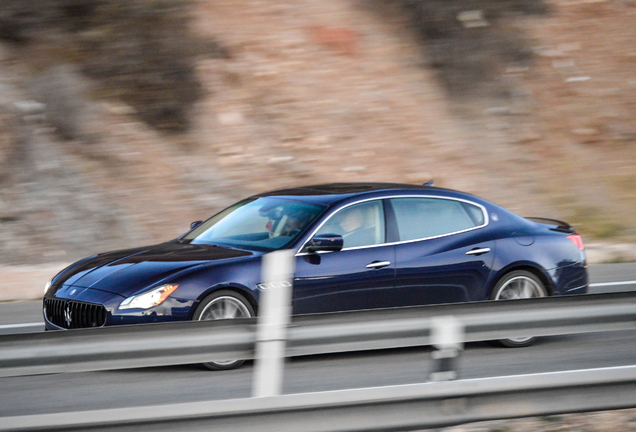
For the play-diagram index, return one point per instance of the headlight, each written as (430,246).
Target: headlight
(148,299)
(47,286)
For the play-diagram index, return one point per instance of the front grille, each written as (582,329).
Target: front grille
(72,314)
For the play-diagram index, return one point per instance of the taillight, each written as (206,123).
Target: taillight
(577,240)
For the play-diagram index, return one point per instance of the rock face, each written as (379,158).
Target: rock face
(47,211)
(519,105)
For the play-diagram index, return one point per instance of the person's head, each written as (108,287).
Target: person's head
(296,221)
(352,219)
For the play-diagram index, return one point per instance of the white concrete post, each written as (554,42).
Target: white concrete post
(447,336)
(273,319)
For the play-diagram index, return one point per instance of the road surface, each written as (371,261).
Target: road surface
(168,385)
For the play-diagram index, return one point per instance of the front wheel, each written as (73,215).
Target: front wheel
(518,284)
(223,305)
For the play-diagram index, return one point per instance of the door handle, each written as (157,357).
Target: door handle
(478,251)
(378,264)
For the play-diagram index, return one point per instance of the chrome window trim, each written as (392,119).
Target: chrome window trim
(483,210)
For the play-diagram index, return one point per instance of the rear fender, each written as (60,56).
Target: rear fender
(544,275)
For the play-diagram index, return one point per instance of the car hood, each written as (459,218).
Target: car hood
(128,271)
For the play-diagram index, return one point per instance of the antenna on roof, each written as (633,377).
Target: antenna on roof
(431,182)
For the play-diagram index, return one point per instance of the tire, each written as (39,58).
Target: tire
(518,284)
(223,305)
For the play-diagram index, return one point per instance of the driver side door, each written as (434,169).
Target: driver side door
(350,278)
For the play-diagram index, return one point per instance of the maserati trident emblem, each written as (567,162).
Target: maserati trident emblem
(67,315)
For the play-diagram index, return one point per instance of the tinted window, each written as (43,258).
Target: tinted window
(359,225)
(419,218)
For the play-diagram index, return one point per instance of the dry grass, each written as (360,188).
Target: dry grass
(596,223)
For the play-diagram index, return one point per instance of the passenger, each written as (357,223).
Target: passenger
(356,229)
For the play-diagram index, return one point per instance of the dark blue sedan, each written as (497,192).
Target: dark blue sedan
(358,246)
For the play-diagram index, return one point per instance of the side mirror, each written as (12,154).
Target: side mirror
(325,243)
(193,225)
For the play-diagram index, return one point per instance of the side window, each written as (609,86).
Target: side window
(359,225)
(419,218)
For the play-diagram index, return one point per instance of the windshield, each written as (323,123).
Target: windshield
(262,224)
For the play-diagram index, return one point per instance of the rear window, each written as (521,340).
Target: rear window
(419,218)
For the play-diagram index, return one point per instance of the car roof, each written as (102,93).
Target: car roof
(329,193)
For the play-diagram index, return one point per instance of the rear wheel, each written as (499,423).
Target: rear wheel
(518,284)
(223,305)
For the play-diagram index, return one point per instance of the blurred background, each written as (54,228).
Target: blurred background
(121,121)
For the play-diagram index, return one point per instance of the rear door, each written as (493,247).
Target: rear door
(443,254)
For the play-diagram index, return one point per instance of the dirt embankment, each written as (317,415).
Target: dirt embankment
(528,103)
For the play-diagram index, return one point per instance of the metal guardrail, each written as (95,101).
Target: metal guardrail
(195,342)
(399,408)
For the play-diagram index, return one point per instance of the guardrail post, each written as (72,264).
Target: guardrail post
(273,319)
(447,336)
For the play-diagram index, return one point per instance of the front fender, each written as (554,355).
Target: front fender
(252,295)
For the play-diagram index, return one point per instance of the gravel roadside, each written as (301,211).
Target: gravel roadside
(26,282)
(605,421)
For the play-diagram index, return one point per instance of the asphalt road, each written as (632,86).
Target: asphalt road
(168,385)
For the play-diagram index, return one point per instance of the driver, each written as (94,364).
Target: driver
(296,222)
(290,224)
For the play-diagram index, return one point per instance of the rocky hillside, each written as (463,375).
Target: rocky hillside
(122,121)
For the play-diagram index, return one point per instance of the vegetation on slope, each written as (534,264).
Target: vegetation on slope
(140,50)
